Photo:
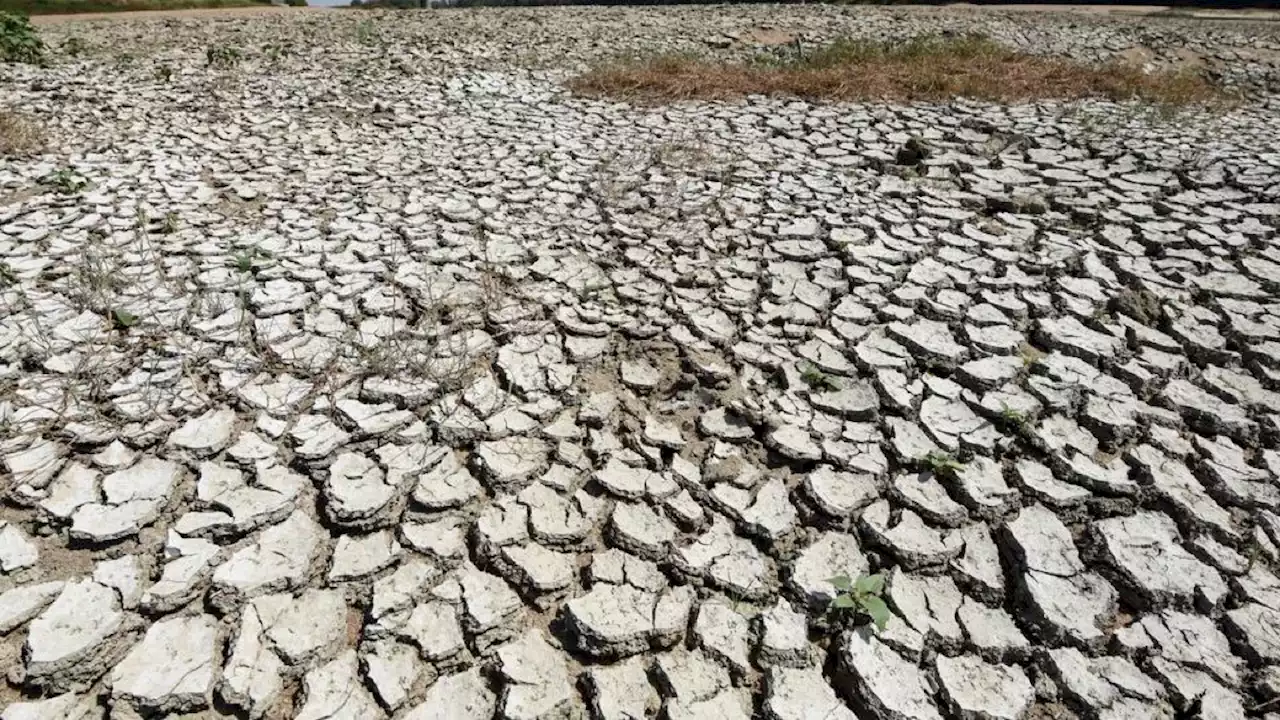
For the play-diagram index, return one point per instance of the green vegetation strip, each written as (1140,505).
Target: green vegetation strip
(63,7)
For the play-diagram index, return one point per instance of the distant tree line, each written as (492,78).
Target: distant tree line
(415,4)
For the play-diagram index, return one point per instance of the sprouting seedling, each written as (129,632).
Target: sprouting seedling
(74,46)
(243,261)
(1011,415)
(861,596)
(222,56)
(943,464)
(1013,418)
(816,379)
(366,33)
(65,181)
(123,319)
(1255,551)
(169,223)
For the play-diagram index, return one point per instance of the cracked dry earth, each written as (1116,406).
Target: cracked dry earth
(373,375)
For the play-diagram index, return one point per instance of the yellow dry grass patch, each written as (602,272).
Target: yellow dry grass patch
(924,69)
(19,135)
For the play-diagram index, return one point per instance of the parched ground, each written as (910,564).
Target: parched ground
(351,368)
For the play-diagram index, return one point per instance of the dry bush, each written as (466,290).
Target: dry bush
(19,135)
(926,68)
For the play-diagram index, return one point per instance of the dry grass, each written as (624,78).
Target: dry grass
(927,68)
(19,135)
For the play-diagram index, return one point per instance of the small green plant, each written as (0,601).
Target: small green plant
(163,73)
(245,260)
(861,596)
(169,223)
(943,464)
(18,40)
(123,319)
(74,46)
(816,379)
(66,181)
(8,277)
(1013,419)
(1254,552)
(222,56)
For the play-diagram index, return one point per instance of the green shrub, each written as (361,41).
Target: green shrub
(296,3)
(18,40)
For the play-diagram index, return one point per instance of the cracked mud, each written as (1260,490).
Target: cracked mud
(372,374)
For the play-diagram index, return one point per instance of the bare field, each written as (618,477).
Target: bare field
(366,365)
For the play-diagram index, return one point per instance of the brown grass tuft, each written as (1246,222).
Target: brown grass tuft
(19,135)
(927,68)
